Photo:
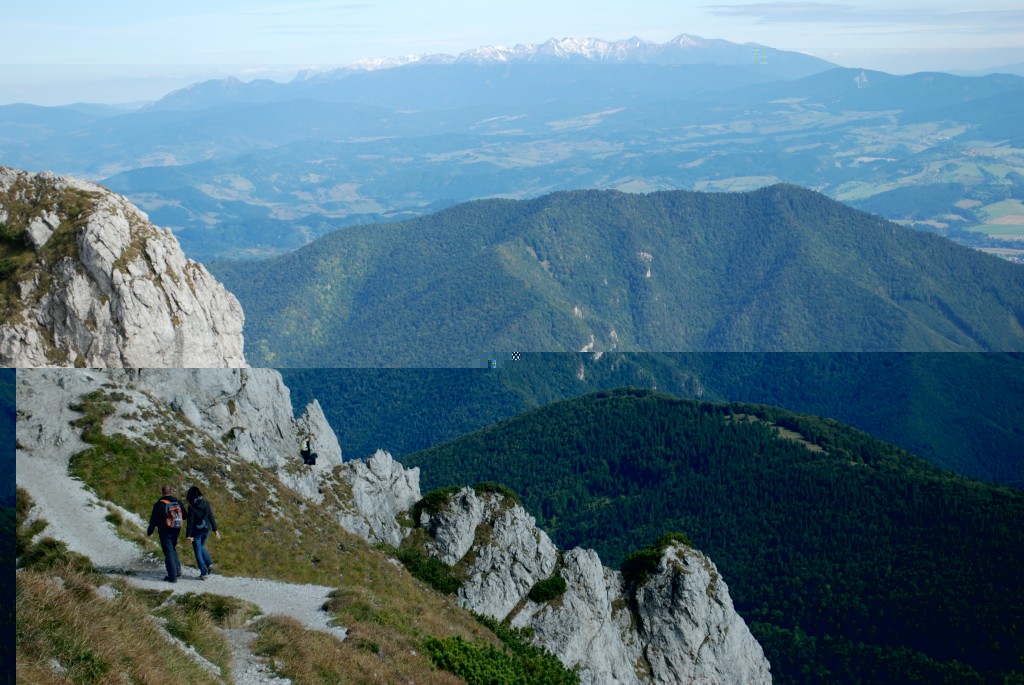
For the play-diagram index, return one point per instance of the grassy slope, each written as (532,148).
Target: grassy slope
(861,545)
(780,268)
(387,612)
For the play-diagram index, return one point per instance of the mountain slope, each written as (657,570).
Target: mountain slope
(776,269)
(270,166)
(850,558)
(98,444)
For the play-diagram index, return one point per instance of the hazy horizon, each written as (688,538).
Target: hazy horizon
(124,53)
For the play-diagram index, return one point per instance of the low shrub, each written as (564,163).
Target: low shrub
(497,488)
(519,663)
(433,502)
(548,589)
(640,564)
(431,571)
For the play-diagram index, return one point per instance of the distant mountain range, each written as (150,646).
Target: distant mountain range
(249,170)
(777,269)
(759,61)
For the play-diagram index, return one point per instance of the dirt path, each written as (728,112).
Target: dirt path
(75,516)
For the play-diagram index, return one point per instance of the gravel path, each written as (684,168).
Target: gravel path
(46,442)
(247,667)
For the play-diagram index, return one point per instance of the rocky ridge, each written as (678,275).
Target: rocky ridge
(677,625)
(90,282)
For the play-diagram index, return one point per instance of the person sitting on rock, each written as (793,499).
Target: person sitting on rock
(307,453)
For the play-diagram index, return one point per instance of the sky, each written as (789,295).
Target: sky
(116,51)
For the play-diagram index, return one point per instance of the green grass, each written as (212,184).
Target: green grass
(1009,230)
(517,662)
(1003,208)
(194,620)
(377,603)
(434,502)
(43,553)
(96,638)
(18,260)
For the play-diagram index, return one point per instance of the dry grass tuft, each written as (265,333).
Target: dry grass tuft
(369,655)
(65,628)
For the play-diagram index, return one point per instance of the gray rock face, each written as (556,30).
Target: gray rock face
(689,629)
(679,626)
(250,412)
(246,414)
(380,490)
(509,553)
(106,287)
(590,628)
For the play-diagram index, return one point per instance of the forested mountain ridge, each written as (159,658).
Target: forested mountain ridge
(961,411)
(776,269)
(851,559)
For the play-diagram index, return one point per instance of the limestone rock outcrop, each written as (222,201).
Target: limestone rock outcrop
(590,627)
(509,553)
(242,414)
(689,629)
(676,625)
(90,282)
(379,489)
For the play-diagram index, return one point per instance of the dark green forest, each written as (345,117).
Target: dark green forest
(851,559)
(777,269)
(961,411)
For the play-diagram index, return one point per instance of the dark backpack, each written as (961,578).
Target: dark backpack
(172,511)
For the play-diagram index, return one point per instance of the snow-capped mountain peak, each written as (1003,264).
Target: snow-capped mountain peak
(682,49)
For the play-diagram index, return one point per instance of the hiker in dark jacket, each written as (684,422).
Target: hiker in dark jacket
(167,516)
(200,524)
(306,451)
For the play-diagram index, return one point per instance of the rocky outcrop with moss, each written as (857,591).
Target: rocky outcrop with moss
(502,552)
(376,492)
(88,281)
(666,618)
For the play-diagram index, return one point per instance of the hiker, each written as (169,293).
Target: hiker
(306,451)
(200,523)
(166,517)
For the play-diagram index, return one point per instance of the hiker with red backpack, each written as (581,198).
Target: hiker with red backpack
(167,517)
(200,523)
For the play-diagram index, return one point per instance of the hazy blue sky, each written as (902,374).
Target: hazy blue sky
(119,51)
